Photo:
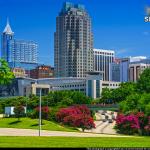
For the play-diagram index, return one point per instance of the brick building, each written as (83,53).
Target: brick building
(42,71)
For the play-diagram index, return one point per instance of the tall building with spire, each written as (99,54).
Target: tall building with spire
(73,45)
(18,53)
(7,36)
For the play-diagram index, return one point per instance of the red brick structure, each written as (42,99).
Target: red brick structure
(42,71)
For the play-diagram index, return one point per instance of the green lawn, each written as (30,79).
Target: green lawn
(27,123)
(74,142)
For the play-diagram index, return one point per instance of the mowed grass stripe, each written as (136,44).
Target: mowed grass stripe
(74,142)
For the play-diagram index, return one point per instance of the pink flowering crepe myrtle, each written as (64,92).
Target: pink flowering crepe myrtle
(76,116)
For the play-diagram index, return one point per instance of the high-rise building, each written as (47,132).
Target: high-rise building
(22,52)
(7,36)
(18,53)
(136,68)
(124,67)
(119,69)
(115,70)
(102,60)
(73,42)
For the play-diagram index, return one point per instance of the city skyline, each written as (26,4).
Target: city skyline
(121,25)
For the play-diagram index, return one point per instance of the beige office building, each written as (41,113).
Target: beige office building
(136,69)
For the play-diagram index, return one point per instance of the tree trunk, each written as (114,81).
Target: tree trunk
(18,118)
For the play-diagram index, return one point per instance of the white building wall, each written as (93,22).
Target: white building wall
(102,60)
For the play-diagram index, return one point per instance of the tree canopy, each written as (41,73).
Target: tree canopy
(118,94)
(143,84)
(6,75)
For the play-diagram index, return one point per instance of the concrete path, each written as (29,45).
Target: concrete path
(32,132)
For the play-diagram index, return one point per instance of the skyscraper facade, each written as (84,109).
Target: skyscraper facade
(22,52)
(115,70)
(136,69)
(102,60)
(120,68)
(73,48)
(7,36)
(18,53)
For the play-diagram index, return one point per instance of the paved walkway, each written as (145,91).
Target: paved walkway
(32,132)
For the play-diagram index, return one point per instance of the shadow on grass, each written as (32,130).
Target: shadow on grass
(14,122)
(36,124)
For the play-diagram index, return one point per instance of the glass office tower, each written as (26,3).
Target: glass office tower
(18,53)
(22,52)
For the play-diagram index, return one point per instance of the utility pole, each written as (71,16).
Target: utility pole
(40,114)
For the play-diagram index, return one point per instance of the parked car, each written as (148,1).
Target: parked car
(104,120)
(106,117)
(103,113)
(110,120)
(113,117)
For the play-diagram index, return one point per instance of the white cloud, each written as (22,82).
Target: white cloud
(121,51)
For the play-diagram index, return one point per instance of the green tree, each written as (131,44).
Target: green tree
(19,111)
(6,76)
(80,98)
(130,104)
(67,101)
(67,97)
(106,95)
(143,84)
(118,94)
(143,101)
(147,109)
(123,91)
(33,101)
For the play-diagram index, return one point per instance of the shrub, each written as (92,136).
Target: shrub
(44,112)
(76,116)
(52,114)
(147,127)
(1,110)
(127,124)
(133,123)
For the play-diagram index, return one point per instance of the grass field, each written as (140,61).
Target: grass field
(74,142)
(27,123)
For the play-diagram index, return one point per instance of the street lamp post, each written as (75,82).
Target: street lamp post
(40,114)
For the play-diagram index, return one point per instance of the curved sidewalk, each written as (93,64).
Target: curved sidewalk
(33,132)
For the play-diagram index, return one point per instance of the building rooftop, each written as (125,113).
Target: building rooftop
(68,6)
(54,81)
(104,50)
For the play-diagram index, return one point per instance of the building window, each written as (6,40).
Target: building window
(97,88)
(90,88)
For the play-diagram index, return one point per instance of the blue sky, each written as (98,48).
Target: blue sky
(117,24)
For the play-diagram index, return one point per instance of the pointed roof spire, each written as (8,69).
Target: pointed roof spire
(7,20)
(8,28)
